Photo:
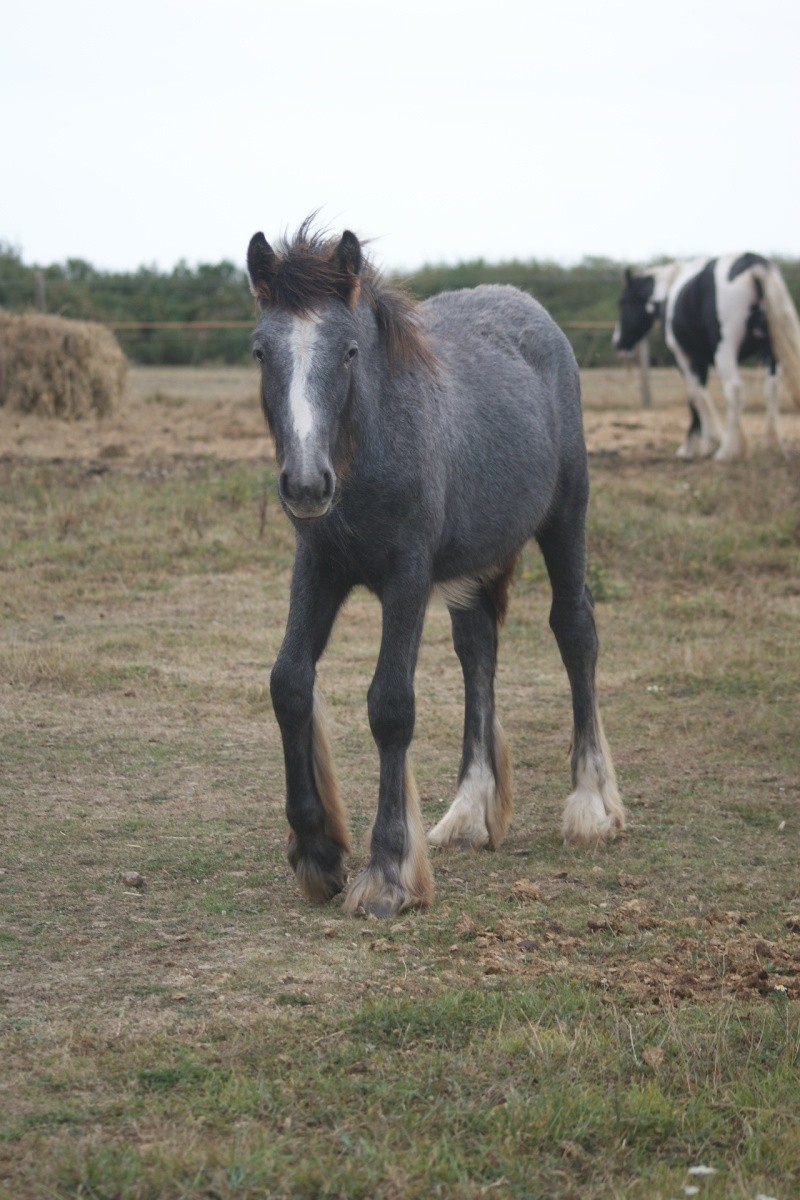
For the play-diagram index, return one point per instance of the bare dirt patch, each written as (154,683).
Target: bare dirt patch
(173,412)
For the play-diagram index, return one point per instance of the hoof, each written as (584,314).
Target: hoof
(730,453)
(463,827)
(588,819)
(373,895)
(319,867)
(707,448)
(697,448)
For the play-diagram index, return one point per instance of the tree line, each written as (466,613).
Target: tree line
(587,292)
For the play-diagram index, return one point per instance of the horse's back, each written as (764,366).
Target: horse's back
(504,357)
(509,414)
(498,319)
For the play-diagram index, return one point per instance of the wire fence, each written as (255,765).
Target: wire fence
(194,342)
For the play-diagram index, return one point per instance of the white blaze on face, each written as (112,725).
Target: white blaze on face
(302,340)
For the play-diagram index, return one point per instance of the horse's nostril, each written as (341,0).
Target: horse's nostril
(327,485)
(283,486)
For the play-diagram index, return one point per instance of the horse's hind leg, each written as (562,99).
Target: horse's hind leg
(734,442)
(594,811)
(483,807)
(772,404)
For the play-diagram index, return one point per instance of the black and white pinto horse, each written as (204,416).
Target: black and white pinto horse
(717,312)
(419,445)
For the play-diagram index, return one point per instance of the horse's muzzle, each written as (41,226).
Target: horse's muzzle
(307,495)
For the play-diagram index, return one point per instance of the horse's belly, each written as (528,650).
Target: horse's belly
(488,530)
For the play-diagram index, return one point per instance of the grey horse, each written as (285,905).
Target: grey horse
(419,446)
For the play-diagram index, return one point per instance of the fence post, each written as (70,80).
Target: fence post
(643,353)
(38,291)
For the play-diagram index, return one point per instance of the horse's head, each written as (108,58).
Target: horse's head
(306,344)
(637,310)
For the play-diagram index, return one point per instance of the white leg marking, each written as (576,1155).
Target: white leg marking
(710,431)
(691,447)
(705,443)
(734,443)
(594,811)
(464,824)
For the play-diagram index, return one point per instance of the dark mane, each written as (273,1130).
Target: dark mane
(307,273)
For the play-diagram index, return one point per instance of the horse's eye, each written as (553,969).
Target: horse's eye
(258,354)
(351,353)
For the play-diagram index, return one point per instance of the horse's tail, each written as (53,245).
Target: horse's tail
(784,329)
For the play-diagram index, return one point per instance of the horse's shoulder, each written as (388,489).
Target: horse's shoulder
(693,285)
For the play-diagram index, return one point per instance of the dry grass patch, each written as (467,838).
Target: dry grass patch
(560,1023)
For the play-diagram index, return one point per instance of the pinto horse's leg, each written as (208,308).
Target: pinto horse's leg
(594,811)
(700,442)
(704,430)
(398,875)
(704,433)
(691,445)
(319,838)
(772,405)
(734,442)
(483,807)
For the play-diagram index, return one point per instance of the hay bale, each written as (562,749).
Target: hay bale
(59,368)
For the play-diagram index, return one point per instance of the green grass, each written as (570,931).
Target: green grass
(212,1035)
(539,1093)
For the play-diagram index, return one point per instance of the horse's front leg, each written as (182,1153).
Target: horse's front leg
(704,430)
(398,875)
(319,837)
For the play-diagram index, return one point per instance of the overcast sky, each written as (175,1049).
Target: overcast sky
(150,132)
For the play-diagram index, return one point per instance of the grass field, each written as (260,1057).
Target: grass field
(561,1023)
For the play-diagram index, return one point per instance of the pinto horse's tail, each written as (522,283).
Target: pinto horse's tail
(784,329)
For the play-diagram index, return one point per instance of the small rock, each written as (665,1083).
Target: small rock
(132,879)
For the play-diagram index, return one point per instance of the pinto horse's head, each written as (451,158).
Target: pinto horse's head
(306,344)
(637,311)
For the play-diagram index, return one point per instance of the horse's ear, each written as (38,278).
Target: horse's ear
(628,277)
(348,259)
(261,267)
(348,253)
